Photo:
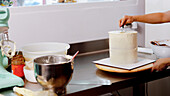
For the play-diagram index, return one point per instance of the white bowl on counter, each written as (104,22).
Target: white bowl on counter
(33,50)
(29,75)
(161,51)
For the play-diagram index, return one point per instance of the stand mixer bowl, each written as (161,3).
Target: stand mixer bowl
(53,72)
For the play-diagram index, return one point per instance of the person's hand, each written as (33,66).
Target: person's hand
(161,64)
(125,20)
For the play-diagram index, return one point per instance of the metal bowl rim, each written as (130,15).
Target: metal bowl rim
(69,60)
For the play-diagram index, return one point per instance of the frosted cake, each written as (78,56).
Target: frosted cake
(123,47)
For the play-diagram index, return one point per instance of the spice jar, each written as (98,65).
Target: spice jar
(17,64)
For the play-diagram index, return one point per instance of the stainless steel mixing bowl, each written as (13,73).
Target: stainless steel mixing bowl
(53,72)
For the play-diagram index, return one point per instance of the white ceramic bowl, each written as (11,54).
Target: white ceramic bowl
(161,51)
(33,50)
(29,75)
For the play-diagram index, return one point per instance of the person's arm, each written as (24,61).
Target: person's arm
(161,64)
(153,18)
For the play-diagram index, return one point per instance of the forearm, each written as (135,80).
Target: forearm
(154,18)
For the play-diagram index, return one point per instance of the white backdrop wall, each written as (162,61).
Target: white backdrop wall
(71,23)
(156,31)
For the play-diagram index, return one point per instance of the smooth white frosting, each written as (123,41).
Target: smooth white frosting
(123,47)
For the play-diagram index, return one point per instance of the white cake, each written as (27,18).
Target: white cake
(123,47)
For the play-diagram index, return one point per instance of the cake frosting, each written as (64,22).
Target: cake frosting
(123,47)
